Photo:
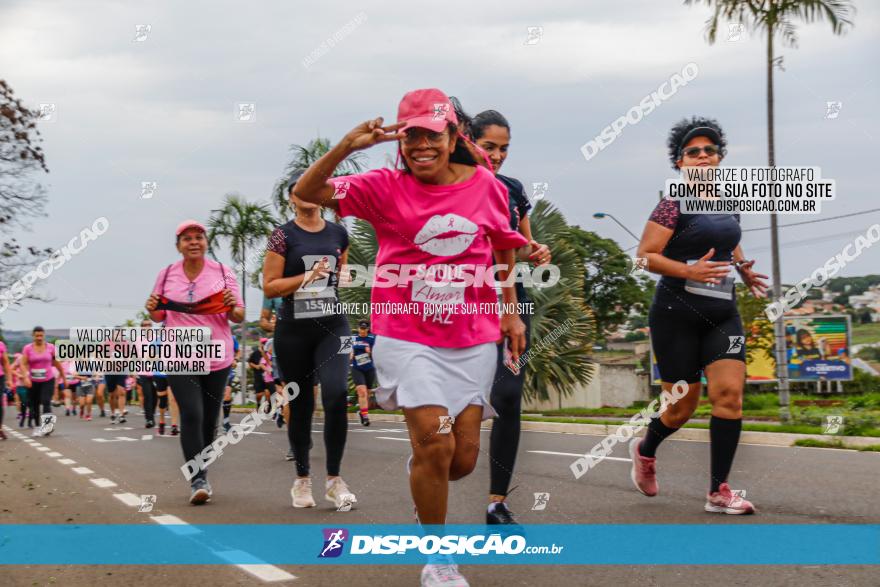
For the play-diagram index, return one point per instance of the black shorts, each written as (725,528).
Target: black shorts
(114,381)
(259,385)
(161,383)
(689,332)
(367,378)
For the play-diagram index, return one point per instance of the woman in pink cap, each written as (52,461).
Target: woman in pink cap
(439,218)
(198,292)
(38,359)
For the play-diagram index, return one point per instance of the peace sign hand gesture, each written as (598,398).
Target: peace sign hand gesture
(371,133)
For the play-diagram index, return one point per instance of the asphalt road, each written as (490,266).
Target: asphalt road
(252,481)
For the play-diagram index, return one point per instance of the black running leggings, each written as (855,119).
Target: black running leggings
(199,398)
(40,393)
(506,398)
(148,399)
(308,350)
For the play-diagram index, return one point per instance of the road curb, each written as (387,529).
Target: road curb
(698,434)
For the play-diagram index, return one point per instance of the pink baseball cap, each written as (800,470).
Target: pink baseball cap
(428,108)
(187,224)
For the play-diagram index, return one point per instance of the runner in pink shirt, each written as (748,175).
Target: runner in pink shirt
(5,382)
(441,215)
(37,361)
(194,292)
(71,385)
(20,389)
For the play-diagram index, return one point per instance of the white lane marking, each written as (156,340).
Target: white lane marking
(267,573)
(44,449)
(102,483)
(118,428)
(178,526)
(393,438)
(128,499)
(34,443)
(147,437)
(54,455)
(117,439)
(574,454)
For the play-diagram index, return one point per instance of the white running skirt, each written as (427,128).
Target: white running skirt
(412,375)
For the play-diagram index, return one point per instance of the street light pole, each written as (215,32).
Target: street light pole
(619,223)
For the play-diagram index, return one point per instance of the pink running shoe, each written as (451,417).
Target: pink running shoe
(644,471)
(726,501)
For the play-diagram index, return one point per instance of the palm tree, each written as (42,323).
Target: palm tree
(302,158)
(245,225)
(559,366)
(776,17)
(562,320)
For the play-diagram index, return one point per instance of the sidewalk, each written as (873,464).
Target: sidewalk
(763,438)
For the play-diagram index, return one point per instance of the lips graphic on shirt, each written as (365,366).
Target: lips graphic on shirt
(446,235)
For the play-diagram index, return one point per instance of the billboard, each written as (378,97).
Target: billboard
(817,349)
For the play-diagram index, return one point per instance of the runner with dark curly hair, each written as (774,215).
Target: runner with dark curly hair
(696,328)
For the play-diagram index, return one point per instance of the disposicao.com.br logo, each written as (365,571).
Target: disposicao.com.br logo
(430,544)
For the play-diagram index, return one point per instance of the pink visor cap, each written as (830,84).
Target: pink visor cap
(187,224)
(428,108)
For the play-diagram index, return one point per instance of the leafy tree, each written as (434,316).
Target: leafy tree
(757,328)
(610,288)
(302,158)
(22,197)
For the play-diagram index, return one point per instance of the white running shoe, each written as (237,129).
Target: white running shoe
(445,575)
(339,494)
(301,492)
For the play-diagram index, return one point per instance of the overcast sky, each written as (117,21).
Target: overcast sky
(164,109)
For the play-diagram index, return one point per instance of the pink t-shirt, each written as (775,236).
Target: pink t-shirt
(15,369)
(40,364)
(267,373)
(208,282)
(2,352)
(70,377)
(417,224)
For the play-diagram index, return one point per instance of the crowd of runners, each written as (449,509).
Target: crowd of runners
(444,202)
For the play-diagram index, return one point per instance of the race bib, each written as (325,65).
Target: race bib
(722,290)
(38,373)
(314,304)
(362,359)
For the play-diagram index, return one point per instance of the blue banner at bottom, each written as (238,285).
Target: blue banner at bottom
(557,544)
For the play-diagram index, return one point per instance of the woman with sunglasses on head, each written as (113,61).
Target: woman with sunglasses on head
(694,319)
(491,132)
(302,266)
(198,292)
(441,215)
